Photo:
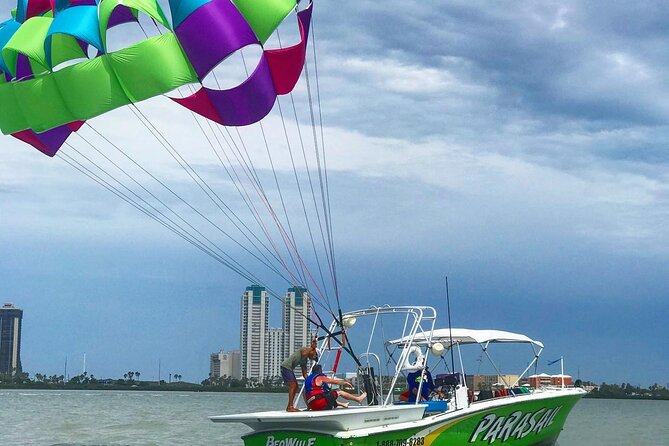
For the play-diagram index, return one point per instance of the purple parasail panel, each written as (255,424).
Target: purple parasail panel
(51,141)
(120,15)
(24,71)
(243,105)
(213,32)
(277,73)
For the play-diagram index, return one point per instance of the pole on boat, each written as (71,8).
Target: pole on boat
(450,335)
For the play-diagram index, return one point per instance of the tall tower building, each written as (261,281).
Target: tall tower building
(296,311)
(10,339)
(254,326)
(274,352)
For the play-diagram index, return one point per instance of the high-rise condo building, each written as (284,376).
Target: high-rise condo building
(296,311)
(274,352)
(225,364)
(10,339)
(254,326)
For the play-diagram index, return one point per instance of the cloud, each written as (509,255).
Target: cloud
(516,143)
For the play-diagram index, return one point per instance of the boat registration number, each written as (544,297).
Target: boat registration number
(411,441)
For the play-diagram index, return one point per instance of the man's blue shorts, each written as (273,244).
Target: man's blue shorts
(288,375)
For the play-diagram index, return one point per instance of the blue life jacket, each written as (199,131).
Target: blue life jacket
(309,389)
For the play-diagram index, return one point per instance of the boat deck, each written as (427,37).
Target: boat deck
(342,419)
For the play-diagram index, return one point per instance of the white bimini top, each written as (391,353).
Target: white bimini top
(468,336)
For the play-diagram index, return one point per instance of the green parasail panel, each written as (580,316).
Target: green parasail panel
(149,7)
(64,48)
(88,89)
(144,74)
(264,16)
(28,40)
(10,114)
(46,101)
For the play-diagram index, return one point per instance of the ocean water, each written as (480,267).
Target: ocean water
(101,418)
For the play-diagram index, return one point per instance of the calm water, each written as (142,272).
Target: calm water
(165,418)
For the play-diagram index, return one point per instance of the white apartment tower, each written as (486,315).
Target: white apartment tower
(274,352)
(296,311)
(254,327)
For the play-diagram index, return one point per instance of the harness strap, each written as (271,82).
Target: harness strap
(316,398)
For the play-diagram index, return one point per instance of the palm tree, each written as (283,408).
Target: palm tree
(137,375)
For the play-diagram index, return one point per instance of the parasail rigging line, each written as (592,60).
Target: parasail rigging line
(283,205)
(202,184)
(311,185)
(299,189)
(264,198)
(169,224)
(260,190)
(320,177)
(153,210)
(308,170)
(325,166)
(254,173)
(276,180)
(249,169)
(269,251)
(289,252)
(299,270)
(86,171)
(268,265)
(239,182)
(191,172)
(302,279)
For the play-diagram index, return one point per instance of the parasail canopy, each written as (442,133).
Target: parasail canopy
(42,104)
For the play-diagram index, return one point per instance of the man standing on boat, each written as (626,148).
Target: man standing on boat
(299,358)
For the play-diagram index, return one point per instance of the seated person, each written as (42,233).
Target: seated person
(414,380)
(318,393)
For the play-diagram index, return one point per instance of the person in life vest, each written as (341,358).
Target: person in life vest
(299,358)
(318,393)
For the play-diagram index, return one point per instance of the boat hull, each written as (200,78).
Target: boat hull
(512,421)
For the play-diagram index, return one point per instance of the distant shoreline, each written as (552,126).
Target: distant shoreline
(187,387)
(141,387)
(625,397)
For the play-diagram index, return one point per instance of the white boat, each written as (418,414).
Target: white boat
(514,416)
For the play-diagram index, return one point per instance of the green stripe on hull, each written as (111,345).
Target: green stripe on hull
(522,423)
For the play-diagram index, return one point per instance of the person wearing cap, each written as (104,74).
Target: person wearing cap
(299,358)
(414,379)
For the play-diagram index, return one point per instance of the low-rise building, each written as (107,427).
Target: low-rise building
(486,382)
(540,380)
(225,364)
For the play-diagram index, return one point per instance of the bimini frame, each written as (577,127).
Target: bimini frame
(463,336)
(419,323)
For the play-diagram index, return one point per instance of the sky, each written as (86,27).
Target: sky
(519,148)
